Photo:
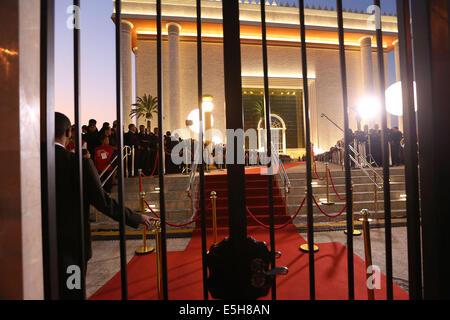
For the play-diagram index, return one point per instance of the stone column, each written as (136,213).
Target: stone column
(174,77)
(367,66)
(127,82)
(21,267)
(398,77)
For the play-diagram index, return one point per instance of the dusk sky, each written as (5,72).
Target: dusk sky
(98,99)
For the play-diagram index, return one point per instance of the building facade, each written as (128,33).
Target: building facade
(284,55)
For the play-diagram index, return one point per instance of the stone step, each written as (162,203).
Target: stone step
(341,173)
(357,206)
(320,218)
(341,180)
(357,196)
(395,186)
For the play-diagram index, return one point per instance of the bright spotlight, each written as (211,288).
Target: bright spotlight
(194,117)
(318,151)
(368,108)
(217,140)
(207,104)
(394,99)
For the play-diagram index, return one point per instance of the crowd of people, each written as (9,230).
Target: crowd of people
(368,143)
(101,146)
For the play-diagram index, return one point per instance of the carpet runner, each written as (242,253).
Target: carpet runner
(185,268)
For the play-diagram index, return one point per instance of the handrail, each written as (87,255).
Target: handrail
(364,170)
(358,156)
(192,176)
(283,174)
(128,153)
(115,168)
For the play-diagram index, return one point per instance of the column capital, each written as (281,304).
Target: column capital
(365,40)
(128,23)
(173,28)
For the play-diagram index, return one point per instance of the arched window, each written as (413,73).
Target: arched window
(278,129)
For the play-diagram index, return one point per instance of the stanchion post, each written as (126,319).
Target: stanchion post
(305,247)
(375,194)
(144,249)
(328,202)
(186,163)
(354,231)
(368,250)
(127,174)
(158,259)
(132,160)
(214,215)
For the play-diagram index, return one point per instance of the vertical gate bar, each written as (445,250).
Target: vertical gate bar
(47,88)
(385,153)
(120,172)
(269,140)
(430,29)
(78,145)
(162,203)
(411,148)
(347,141)
(202,168)
(234,121)
(310,222)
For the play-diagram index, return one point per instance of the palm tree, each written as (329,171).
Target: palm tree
(145,107)
(260,109)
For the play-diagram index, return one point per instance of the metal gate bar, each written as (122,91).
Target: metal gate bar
(234,120)
(201,145)
(48,191)
(120,169)
(411,148)
(309,195)
(347,141)
(385,154)
(269,141)
(162,202)
(78,146)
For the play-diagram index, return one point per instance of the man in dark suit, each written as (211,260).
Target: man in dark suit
(131,139)
(70,237)
(395,138)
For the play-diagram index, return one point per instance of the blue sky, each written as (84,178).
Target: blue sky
(98,55)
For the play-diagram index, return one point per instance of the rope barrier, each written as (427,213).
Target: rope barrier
(193,220)
(334,188)
(328,215)
(154,168)
(317,175)
(281,226)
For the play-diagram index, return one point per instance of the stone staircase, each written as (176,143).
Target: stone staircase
(178,205)
(363,196)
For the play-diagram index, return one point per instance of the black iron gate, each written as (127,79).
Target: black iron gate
(236,174)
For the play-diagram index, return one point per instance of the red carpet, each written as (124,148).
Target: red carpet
(185,268)
(185,272)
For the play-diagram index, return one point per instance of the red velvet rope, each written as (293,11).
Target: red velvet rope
(277,227)
(154,169)
(328,215)
(317,175)
(173,224)
(334,188)
(195,219)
